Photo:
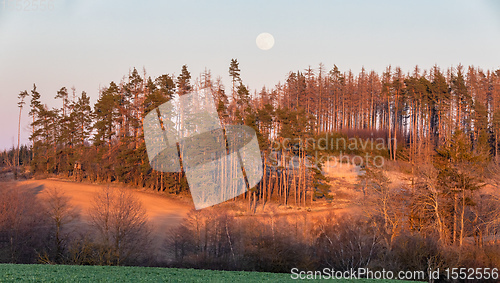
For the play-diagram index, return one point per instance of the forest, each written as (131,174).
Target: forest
(440,128)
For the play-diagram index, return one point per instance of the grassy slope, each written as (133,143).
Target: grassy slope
(66,273)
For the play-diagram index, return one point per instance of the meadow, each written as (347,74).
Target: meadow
(74,273)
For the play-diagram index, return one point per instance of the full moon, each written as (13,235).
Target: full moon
(265,41)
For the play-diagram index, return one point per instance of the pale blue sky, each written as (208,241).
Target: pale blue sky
(88,44)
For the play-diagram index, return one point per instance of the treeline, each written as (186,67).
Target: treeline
(8,158)
(415,113)
(213,239)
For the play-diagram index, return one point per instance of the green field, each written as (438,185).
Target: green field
(75,273)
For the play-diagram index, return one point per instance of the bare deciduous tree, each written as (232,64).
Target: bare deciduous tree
(61,212)
(23,231)
(121,225)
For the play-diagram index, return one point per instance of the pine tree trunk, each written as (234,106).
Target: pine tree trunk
(455,208)
(462,216)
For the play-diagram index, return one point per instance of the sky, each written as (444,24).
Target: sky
(87,44)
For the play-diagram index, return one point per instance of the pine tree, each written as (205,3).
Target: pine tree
(463,99)
(221,101)
(63,95)
(166,86)
(81,117)
(459,171)
(106,114)
(481,130)
(243,97)
(65,139)
(45,140)
(135,93)
(35,107)
(22,95)
(234,73)
(441,96)
(183,81)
